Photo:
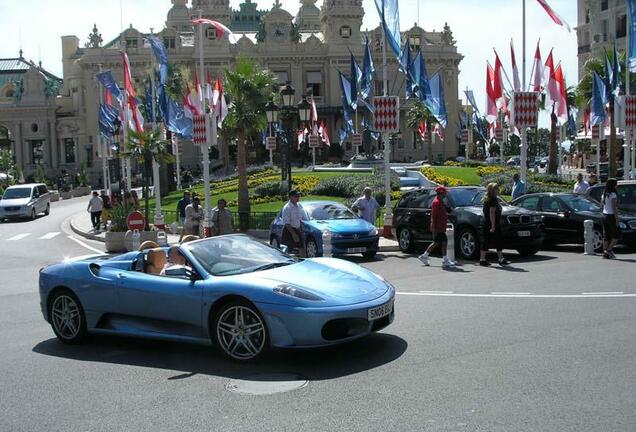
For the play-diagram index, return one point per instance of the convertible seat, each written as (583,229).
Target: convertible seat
(156,261)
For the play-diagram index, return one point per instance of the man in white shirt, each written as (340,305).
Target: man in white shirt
(581,186)
(95,206)
(292,215)
(367,206)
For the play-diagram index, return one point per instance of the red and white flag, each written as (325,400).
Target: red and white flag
(561,105)
(491,105)
(208,90)
(218,98)
(421,129)
(300,136)
(552,92)
(324,134)
(497,83)
(439,131)
(134,115)
(189,105)
(314,111)
(555,16)
(198,93)
(219,28)
(537,70)
(515,69)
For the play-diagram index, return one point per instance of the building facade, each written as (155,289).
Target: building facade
(306,50)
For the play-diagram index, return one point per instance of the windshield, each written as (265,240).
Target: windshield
(13,193)
(479,196)
(329,211)
(627,197)
(579,203)
(232,255)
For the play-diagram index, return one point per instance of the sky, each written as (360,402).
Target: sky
(477,25)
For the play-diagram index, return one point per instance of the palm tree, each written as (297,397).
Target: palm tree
(584,96)
(553,149)
(248,88)
(146,147)
(417,114)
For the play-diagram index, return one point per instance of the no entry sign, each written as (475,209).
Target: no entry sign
(136,221)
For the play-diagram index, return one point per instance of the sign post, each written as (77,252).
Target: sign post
(387,119)
(356,141)
(270,145)
(314,142)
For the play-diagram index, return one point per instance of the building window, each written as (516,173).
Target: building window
(131,43)
(170,42)
(415,42)
(281,76)
(314,83)
(37,152)
(69,150)
(587,16)
(604,4)
(621,26)
(345,32)
(210,33)
(34,127)
(605,27)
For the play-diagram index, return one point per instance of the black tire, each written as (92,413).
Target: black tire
(67,317)
(48,210)
(598,234)
(528,251)
(238,345)
(33,213)
(405,240)
(467,243)
(311,248)
(369,255)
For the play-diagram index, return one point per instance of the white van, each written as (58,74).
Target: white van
(25,201)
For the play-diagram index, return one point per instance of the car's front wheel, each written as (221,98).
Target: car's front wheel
(528,251)
(405,240)
(311,248)
(468,243)
(67,317)
(240,331)
(48,210)
(33,213)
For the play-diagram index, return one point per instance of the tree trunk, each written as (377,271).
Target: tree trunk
(168,183)
(243,193)
(552,154)
(611,145)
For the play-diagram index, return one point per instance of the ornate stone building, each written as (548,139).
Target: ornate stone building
(307,50)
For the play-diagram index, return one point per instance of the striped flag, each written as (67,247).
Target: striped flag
(219,28)
(132,97)
(555,16)
(491,106)
(537,72)
(515,69)
(497,84)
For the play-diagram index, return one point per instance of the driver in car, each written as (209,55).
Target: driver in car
(175,264)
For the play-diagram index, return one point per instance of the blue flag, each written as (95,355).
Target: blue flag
(107,116)
(108,81)
(366,83)
(630,56)
(356,78)
(406,66)
(423,84)
(345,88)
(571,124)
(616,73)
(599,99)
(148,103)
(159,49)
(390,17)
(609,78)
(471,99)
(479,126)
(436,103)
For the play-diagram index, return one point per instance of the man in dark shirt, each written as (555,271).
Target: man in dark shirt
(439,218)
(181,206)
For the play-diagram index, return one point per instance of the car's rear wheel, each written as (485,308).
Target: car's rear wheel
(528,251)
(597,240)
(405,240)
(311,248)
(67,317)
(48,210)
(369,255)
(240,331)
(468,243)
(33,213)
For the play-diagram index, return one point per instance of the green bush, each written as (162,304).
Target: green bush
(271,188)
(347,186)
(536,183)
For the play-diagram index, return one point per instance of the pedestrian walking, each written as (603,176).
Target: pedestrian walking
(105,207)
(491,225)
(222,219)
(581,186)
(439,218)
(181,206)
(95,206)
(367,206)
(293,216)
(611,229)
(193,216)
(518,187)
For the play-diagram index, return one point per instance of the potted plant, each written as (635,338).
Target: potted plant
(82,178)
(65,191)
(118,237)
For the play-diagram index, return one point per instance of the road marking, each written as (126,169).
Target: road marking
(436,292)
(603,292)
(50,235)
(19,237)
(520,295)
(81,243)
(510,293)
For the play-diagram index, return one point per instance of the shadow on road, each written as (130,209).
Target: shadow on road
(368,353)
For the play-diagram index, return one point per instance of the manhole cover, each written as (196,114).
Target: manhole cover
(267,384)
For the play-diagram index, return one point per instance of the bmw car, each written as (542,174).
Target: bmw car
(231,291)
(349,233)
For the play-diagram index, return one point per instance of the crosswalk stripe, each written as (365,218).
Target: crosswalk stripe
(19,237)
(50,235)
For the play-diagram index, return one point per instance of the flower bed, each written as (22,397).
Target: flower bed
(438,178)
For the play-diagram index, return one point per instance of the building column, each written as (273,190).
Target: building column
(18,146)
(55,159)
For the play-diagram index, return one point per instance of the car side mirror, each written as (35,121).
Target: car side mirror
(566,213)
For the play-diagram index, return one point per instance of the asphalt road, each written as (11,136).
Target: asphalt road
(546,345)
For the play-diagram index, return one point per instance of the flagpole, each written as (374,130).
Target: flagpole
(628,131)
(102,142)
(175,150)
(159,224)
(524,135)
(388,217)
(205,146)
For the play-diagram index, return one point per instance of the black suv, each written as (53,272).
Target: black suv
(522,229)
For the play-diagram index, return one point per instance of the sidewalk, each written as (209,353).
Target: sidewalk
(81,225)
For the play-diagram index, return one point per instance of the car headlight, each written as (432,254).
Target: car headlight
(622,225)
(537,218)
(632,224)
(373,232)
(333,234)
(294,291)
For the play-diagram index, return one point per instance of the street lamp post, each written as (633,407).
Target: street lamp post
(287,94)
(116,132)
(271,112)
(304,112)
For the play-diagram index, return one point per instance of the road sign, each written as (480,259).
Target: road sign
(198,129)
(465,136)
(499,133)
(356,139)
(136,221)
(525,109)
(387,113)
(314,141)
(270,144)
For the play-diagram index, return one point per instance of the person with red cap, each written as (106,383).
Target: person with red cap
(439,218)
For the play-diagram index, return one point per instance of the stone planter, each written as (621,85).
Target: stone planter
(82,191)
(66,195)
(144,236)
(115,241)
(54,196)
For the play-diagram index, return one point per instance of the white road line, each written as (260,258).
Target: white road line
(81,243)
(527,296)
(50,235)
(510,293)
(19,237)
(436,292)
(603,292)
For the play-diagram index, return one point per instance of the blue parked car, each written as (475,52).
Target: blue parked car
(350,234)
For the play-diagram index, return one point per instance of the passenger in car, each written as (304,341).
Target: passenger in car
(155,261)
(176,261)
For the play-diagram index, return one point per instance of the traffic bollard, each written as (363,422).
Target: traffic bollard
(136,239)
(326,243)
(174,228)
(588,235)
(162,238)
(450,245)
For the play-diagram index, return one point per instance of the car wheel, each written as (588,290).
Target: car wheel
(33,213)
(311,249)
(528,251)
(369,255)
(240,331)
(48,210)
(274,242)
(405,240)
(67,317)
(467,243)
(597,240)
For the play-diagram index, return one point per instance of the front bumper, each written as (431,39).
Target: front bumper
(15,212)
(342,246)
(303,327)
(512,239)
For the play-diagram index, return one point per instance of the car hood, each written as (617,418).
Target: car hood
(342,226)
(14,202)
(333,279)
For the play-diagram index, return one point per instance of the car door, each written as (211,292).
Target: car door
(556,218)
(421,215)
(162,304)
(44,198)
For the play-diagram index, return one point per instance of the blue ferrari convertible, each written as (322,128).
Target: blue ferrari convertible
(230,291)
(349,233)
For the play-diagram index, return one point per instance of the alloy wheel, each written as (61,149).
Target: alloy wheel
(66,317)
(597,241)
(311,249)
(467,244)
(405,239)
(241,333)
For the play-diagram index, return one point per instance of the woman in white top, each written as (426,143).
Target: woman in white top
(611,228)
